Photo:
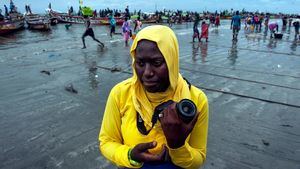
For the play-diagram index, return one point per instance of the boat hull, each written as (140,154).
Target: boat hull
(65,18)
(38,22)
(8,26)
(39,26)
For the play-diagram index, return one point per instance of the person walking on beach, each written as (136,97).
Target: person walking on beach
(204,31)
(290,22)
(126,31)
(267,19)
(256,22)
(195,28)
(235,25)
(247,22)
(296,24)
(284,21)
(112,23)
(261,19)
(170,20)
(89,32)
(138,25)
(217,22)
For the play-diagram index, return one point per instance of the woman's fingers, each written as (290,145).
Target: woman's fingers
(142,147)
(156,157)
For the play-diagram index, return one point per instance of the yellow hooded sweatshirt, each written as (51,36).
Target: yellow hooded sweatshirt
(119,130)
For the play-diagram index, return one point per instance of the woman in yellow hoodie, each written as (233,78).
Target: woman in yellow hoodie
(129,137)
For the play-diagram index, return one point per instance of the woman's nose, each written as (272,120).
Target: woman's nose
(148,71)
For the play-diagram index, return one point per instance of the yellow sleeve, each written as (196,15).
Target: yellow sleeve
(110,137)
(193,153)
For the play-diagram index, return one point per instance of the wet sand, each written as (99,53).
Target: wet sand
(253,88)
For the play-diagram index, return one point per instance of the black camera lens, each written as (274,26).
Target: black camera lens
(186,110)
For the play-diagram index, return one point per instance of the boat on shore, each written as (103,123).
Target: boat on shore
(66,18)
(38,22)
(13,23)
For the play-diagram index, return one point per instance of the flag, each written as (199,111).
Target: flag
(80,2)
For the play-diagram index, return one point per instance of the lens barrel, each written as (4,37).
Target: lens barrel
(186,110)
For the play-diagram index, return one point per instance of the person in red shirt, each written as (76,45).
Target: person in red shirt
(204,31)
(217,22)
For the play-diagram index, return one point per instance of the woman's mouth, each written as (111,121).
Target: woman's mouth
(149,83)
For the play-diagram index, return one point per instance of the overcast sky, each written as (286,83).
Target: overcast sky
(286,6)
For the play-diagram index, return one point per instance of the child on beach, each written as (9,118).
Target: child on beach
(204,31)
(267,19)
(138,25)
(126,31)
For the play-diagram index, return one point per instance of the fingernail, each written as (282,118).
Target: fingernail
(154,143)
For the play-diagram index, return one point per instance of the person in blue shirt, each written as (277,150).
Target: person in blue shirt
(235,25)
(112,23)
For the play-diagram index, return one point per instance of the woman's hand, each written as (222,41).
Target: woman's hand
(175,130)
(140,153)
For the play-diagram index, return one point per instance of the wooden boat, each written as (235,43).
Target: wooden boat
(37,22)
(65,18)
(10,25)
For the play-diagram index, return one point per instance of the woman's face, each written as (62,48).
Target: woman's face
(151,67)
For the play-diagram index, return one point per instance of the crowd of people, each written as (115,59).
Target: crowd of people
(253,22)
